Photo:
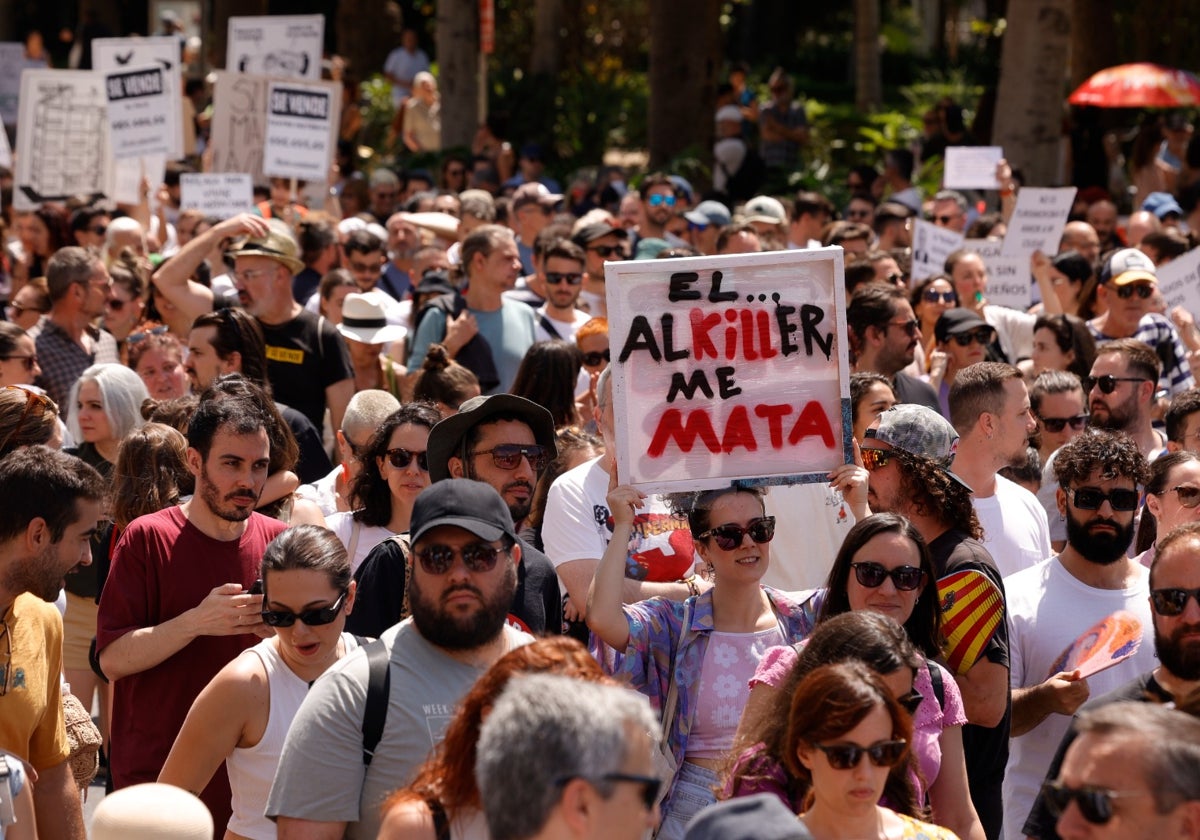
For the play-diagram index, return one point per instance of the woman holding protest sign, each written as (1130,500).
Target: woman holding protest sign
(693,659)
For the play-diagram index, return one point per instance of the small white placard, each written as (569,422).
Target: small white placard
(972,167)
(221,194)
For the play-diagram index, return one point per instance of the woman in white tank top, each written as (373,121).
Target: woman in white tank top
(243,715)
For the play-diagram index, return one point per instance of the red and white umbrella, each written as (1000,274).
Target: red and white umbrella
(1141,85)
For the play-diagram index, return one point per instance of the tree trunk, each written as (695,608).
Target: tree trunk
(1029,101)
(458,69)
(547,40)
(367,30)
(684,63)
(868,79)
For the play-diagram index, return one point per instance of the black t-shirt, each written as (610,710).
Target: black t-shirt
(304,357)
(984,748)
(1041,824)
(314,461)
(381,584)
(909,389)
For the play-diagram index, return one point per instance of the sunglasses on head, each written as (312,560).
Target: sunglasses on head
(507,456)
(401,458)
(594,358)
(573,278)
(729,537)
(607,251)
(32,398)
(1095,803)
(477,557)
(659,199)
(980,336)
(1091,498)
(136,337)
(310,618)
(876,459)
(1108,383)
(872,576)
(1172,602)
(1057,424)
(1142,290)
(847,756)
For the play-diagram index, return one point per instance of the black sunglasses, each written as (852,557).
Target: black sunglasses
(1108,383)
(847,756)
(573,278)
(872,575)
(1142,290)
(1172,602)
(729,537)
(1095,803)
(596,357)
(911,702)
(607,251)
(477,557)
(945,220)
(980,336)
(651,785)
(401,458)
(1057,424)
(1091,498)
(311,618)
(934,296)
(507,456)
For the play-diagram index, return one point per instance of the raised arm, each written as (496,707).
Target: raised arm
(605,596)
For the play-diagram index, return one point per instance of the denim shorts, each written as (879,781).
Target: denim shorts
(691,791)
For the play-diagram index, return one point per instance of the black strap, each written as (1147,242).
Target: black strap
(378,688)
(935,678)
(546,326)
(441,823)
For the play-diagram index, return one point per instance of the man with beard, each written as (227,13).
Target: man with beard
(52,504)
(177,605)
(884,335)
(504,441)
(989,407)
(1174,582)
(1054,603)
(464,573)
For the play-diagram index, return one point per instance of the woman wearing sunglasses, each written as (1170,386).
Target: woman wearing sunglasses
(930,298)
(1172,499)
(243,715)
(693,659)
(18,356)
(848,737)
(394,471)
(965,339)
(884,567)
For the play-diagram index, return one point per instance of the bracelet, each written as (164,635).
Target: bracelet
(691,585)
(1007,193)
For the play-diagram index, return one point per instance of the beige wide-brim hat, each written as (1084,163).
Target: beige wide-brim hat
(151,812)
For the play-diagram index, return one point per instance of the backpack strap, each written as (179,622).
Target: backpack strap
(545,322)
(379,683)
(935,679)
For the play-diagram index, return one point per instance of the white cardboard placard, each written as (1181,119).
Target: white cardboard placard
(1038,220)
(140,112)
(110,55)
(1179,282)
(221,194)
(1010,282)
(930,247)
(971,167)
(287,46)
(301,131)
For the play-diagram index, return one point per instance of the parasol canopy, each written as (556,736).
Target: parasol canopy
(1139,86)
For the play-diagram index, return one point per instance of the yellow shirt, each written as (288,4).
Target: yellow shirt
(31,713)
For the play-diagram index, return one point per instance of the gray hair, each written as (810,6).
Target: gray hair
(483,240)
(952,195)
(544,730)
(478,204)
(70,266)
(367,410)
(122,393)
(1168,742)
(604,387)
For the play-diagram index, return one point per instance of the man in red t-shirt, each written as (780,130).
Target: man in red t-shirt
(176,606)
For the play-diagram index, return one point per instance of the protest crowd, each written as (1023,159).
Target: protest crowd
(398,503)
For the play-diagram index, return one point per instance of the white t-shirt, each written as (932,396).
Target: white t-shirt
(1048,609)
(811,521)
(1013,328)
(565,331)
(1015,529)
(358,545)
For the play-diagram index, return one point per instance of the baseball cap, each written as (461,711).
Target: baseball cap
(445,439)
(920,431)
(588,234)
(709,213)
(474,506)
(1129,265)
(954,322)
(535,193)
(278,244)
(763,208)
(1162,204)
(650,247)
(759,817)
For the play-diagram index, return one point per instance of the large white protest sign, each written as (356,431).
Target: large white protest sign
(62,145)
(1009,279)
(301,131)
(221,194)
(112,55)
(139,112)
(930,247)
(729,368)
(288,46)
(971,167)
(12,62)
(1037,221)
(1179,282)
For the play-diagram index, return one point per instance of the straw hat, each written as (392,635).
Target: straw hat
(151,812)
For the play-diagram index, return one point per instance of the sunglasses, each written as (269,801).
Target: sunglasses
(27,362)
(594,358)
(310,618)
(876,459)
(477,557)
(847,756)
(729,537)
(658,199)
(1090,498)
(1189,497)
(911,702)
(1142,290)
(573,278)
(115,304)
(144,334)
(651,785)
(912,327)
(945,220)
(872,576)
(1095,803)
(694,227)
(607,251)
(1172,602)
(1057,424)
(1108,383)
(15,309)
(401,458)
(32,398)
(981,336)
(507,456)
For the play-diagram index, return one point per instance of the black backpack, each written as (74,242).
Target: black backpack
(751,175)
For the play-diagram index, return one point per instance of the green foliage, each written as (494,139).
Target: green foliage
(375,103)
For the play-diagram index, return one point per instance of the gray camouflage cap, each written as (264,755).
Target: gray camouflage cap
(921,431)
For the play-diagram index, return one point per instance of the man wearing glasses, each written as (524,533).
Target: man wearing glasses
(464,575)
(592,745)
(884,336)
(950,210)
(659,201)
(52,505)
(562,268)
(1174,584)
(601,243)
(1054,603)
